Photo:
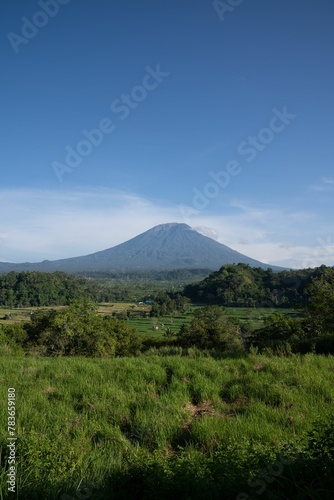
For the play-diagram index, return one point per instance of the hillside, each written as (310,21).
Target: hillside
(167,246)
(248,286)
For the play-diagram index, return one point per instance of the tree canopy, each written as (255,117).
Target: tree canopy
(242,285)
(32,289)
(78,330)
(209,329)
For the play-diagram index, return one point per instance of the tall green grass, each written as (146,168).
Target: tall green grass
(132,427)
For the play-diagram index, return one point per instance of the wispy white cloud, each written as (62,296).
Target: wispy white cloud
(50,224)
(327,180)
(274,235)
(325,184)
(37,225)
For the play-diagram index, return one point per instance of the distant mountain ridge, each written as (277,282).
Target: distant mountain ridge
(164,247)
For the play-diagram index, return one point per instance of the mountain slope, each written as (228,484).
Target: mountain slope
(167,246)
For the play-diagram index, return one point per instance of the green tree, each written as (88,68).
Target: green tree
(168,334)
(78,330)
(278,329)
(319,316)
(210,328)
(12,336)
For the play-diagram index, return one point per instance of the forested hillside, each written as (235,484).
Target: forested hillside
(31,289)
(242,285)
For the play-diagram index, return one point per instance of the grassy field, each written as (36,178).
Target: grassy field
(186,426)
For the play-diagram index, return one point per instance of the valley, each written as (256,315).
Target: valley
(149,387)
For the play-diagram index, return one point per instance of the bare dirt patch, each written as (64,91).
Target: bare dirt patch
(205,408)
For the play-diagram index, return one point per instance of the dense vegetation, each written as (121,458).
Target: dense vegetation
(232,285)
(314,330)
(213,409)
(78,329)
(168,303)
(186,426)
(75,330)
(242,285)
(211,329)
(29,289)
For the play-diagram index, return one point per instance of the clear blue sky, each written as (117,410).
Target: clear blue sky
(222,81)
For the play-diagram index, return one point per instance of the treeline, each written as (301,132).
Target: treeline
(312,331)
(146,275)
(33,289)
(245,286)
(78,330)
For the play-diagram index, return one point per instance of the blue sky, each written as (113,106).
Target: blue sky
(120,115)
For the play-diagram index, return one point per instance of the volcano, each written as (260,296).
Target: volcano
(164,247)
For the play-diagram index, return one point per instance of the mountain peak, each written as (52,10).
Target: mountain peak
(168,226)
(167,246)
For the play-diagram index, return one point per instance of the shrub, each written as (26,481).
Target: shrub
(210,329)
(78,330)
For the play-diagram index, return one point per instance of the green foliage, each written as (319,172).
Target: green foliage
(30,289)
(242,285)
(279,329)
(306,471)
(168,334)
(320,311)
(313,331)
(321,441)
(78,330)
(169,303)
(134,285)
(210,328)
(49,458)
(12,333)
(12,337)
